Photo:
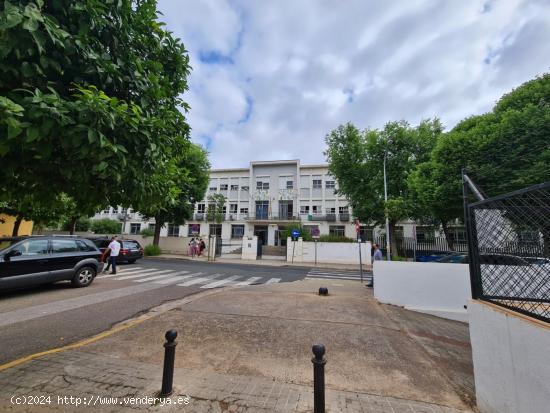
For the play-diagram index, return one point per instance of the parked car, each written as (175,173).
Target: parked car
(130,250)
(33,260)
(486,259)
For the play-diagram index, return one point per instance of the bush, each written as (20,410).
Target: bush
(147,232)
(106,226)
(82,225)
(398,258)
(304,233)
(151,250)
(335,238)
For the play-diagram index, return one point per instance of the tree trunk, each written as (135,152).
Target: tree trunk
(393,241)
(158,225)
(448,237)
(16,226)
(72,225)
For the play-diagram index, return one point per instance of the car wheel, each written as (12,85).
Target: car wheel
(84,277)
(131,261)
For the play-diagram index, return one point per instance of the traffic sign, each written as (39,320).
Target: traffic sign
(295,233)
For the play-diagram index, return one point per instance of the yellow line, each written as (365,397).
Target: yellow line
(78,344)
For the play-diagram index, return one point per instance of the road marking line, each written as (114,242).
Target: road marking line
(78,344)
(122,273)
(200,280)
(221,282)
(249,281)
(348,274)
(175,279)
(129,277)
(273,280)
(151,277)
(325,277)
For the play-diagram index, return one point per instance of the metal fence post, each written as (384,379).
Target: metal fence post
(318,378)
(169,358)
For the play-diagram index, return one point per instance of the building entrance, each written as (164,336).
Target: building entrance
(261,232)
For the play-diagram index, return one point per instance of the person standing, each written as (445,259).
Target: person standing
(193,246)
(113,249)
(202,247)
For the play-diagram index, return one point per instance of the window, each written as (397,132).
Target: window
(316,209)
(343,210)
(224,209)
(85,245)
(233,208)
(213,189)
(152,226)
(289,184)
(194,229)
(424,234)
(317,184)
(262,185)
(60,246)
(330,185)
(135,228)
(201,208)
(244,210)
(173,230)
(234,187)
(331,210)
(313,230)
(131,245)
(237,231)
(33,247)
(107,210)
(304,209)
(223,187)
(244,188)
(337,230)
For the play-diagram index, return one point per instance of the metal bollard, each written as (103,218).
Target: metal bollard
(318,378)
(169,358)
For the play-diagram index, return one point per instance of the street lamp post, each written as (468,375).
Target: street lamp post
(388,243)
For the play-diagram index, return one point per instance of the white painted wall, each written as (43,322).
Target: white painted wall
(511,357)
(328,252)
(434,288)
(250,248)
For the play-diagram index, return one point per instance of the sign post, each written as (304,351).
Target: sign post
(358,231)
(295,234)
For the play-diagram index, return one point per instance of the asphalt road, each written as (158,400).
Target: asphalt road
(38,319)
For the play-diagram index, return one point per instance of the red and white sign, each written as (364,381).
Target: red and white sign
(357,226)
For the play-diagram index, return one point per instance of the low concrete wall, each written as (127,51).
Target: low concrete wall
(439,289)
(328,252)
(250,248)
(511,360)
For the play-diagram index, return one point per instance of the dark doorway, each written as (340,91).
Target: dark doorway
(261,232)
(216,229)
(280,241)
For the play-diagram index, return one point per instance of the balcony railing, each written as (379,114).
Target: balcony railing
(344,217)
(199,217)
(272,217)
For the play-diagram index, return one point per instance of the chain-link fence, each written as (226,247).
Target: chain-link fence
(510,250)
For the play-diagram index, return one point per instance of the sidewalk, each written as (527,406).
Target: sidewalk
(249,350)
(266,262)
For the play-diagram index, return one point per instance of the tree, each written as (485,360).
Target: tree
(90,93)
(185,182)
(106,226)
(216,206)
(503,150)
(356,161)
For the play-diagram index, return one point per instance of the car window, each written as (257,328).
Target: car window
(101,243)
(64,245)
(130,244)
(33,247)
(85,246)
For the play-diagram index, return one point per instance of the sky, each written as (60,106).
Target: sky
(270,79)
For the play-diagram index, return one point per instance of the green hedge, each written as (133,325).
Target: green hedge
(151,250)
(147,232)
(335,238)
(106,226)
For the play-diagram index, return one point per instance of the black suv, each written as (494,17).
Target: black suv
(130,250)
(32,260)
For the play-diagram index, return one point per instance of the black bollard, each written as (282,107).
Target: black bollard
(318,378)
(169,358)
(323,291)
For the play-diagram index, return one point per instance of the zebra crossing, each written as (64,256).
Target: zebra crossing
(174,277)
(336,274)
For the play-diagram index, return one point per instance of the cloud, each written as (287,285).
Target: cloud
(271,79)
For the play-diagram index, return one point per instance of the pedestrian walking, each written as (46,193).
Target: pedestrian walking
(377,256)
(113,250)
(202,246)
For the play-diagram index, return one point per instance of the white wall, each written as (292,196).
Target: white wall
(511,357)
(328,252)
(250,248)
(433,288)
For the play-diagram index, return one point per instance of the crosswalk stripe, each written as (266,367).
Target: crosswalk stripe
(151,277)
(334,273)
(173,280)
(200,280)
(145,274)
(249,281)
(273,280)
(221,282)
(121,273)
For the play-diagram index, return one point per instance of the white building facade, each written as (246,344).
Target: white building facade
(264,200)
